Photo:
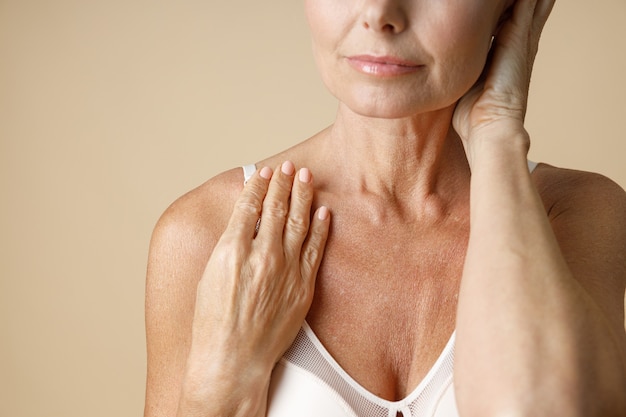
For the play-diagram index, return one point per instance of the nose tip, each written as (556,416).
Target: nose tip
(384,16)
(386,27)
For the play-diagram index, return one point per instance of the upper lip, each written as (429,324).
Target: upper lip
(384,59)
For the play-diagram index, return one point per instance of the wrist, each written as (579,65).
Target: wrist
(223,385)
(504,144)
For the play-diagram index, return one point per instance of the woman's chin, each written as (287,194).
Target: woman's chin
(390,109)
(392,103)
(382,113)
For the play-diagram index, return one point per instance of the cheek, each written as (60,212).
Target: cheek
(325,18)
(459,44)
(329,21)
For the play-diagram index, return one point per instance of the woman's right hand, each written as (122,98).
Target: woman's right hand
(257,287)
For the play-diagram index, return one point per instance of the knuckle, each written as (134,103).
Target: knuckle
(253,194)
(275,208)
(313,249)
(247,207)
(308,257)
(298,224)
(304,194)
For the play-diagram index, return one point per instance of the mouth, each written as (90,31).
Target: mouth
(383,66)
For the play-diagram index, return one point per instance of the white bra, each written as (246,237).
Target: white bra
(308,382)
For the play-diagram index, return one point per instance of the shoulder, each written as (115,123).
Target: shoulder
(586,209)
(571,193)
(181,244)
(193,223)
(183,240)
(587,212)
(188,230)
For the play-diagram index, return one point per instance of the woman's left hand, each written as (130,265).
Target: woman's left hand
(497,102)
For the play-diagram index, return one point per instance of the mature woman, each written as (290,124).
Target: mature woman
(392,282)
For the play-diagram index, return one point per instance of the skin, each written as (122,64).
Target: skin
(540,324)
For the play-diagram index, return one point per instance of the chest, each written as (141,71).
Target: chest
(385,303)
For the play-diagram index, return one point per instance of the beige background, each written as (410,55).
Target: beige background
(110,109)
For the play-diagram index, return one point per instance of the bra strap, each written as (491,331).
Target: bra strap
(248,172)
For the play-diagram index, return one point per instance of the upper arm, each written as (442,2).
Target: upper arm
(181,244)
(588,215)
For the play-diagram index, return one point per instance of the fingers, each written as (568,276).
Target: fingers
(249,205)
(313,248)
(276,205)
(298,219)
(531,16)
(523,12)
(517,41)
(542,12)
(282,199)
(286,219)
(543,9)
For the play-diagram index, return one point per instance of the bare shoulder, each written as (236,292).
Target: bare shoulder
(586,206)
(567,188)
(199,217)
(186,233)
(581,199)
(181,244)
(588,215)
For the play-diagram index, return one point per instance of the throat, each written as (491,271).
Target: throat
(399,217)
(413,158)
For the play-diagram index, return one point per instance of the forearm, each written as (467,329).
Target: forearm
(525,325)
(223,386)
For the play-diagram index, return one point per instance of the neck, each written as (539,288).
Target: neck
(415,158)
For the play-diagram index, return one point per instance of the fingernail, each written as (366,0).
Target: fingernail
(288,168)
(266,172)
(322,213)
(304,175)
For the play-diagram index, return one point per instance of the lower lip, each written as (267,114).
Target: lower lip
(381,69)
